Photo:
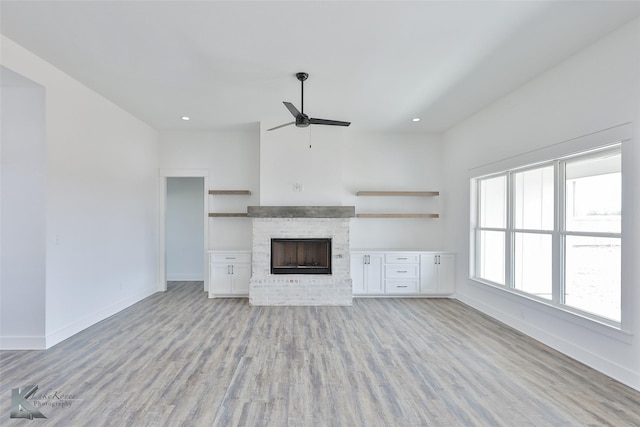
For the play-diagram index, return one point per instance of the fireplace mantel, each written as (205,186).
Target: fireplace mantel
(301,211)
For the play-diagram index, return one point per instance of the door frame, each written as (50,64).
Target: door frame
(162,251)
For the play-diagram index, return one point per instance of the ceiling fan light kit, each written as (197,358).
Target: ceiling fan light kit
(301,119)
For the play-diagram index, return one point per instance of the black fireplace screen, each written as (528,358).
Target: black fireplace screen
(300,256)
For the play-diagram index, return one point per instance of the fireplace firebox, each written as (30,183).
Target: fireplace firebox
(300,256)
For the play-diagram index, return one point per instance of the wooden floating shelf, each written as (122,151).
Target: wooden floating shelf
(389,215)
(230,192)
(398,193)
(227,214)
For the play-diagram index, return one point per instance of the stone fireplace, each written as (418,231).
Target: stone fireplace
(304,227)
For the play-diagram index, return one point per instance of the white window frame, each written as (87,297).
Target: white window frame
(617,138)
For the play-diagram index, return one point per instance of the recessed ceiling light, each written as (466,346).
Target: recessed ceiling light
(417,119)
(186,118)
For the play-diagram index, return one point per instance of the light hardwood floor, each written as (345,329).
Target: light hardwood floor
(178,358)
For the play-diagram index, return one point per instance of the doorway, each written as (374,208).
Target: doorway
(183,227)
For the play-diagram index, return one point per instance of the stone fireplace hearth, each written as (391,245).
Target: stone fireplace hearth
(300,222)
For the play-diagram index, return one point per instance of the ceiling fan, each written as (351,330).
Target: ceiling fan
(302,120)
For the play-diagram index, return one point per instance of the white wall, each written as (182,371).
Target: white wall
(184,228)
(394,161)
(232,159)
(22,261)
(301,167)
(340,162)
(596,89)
(101,202)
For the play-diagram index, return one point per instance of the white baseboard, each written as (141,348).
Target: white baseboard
(23,343)
(184,277)
(75,327)
(607,367)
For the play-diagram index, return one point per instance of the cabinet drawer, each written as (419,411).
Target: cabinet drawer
(402,271)
(401,286)
(402,258)
(230,258)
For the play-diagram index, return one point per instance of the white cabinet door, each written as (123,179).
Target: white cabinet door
(428,274)
(219,279)
(240,275)
(366,273)
(402,271)
(446,273)
(400,287)
(373,274)
(437,273)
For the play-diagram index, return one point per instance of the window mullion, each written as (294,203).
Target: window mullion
(476,234)
(558,239)
(508,252)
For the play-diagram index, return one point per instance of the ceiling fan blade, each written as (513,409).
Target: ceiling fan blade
(292,109)
(281,126)
(328,122)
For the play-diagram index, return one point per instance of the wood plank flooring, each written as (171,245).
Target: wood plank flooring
(180,359)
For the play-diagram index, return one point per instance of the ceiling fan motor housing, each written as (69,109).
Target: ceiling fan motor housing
(302,120)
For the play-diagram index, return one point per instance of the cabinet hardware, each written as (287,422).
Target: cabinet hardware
(402,286)
(401,271)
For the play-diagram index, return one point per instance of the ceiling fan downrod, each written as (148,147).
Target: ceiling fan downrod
(302,77)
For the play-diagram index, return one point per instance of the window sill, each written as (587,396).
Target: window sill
(585,320)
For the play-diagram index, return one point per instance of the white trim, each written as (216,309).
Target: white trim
(181,173)
(592,141)
(23,343)
(574,315)
(82,324)
(185,278)
(606,366)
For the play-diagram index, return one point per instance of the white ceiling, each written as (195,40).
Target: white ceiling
(378,64)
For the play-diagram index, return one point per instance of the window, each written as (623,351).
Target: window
(592,239)
(553,231)
(492,230)
(533,223)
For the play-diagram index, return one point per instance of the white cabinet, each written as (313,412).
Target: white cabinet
(229,274)
(401,273)
(437,273)
(366,273)
(407,273)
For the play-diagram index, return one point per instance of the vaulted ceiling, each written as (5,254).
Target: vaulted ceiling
(229,65)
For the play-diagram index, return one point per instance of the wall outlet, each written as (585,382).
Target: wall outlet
(297,187)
